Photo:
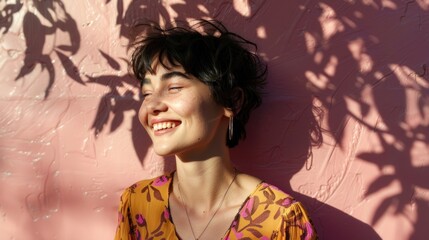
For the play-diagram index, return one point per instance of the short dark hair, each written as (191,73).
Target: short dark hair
(223,60)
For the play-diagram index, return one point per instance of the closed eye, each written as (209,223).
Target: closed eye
(145,94)
(175,89)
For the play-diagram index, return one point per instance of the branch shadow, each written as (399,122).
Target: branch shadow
(43,19)
(116,104)
(365,71)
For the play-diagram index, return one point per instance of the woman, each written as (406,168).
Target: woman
(199,86)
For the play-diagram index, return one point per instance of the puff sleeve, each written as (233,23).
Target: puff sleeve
(296,224)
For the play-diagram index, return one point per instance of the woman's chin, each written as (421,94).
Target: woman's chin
(163,151)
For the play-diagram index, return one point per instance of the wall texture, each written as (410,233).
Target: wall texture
(70,140)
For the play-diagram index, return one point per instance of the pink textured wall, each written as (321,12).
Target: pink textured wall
(70,141)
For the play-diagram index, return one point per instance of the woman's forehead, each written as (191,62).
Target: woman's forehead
(163,63)
(163,67)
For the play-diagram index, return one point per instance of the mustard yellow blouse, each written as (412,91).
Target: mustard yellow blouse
(268,213)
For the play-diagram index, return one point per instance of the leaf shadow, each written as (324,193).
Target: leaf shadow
(36,33)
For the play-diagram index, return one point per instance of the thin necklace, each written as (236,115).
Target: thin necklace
(214,214)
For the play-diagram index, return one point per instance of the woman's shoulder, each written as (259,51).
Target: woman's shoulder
(262,190)
(269,191)
(273,197)
(157,186)
(265,196)
(277,212)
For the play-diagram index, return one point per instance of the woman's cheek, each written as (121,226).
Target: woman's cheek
(142,114)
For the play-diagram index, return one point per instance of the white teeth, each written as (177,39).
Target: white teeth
(163,125)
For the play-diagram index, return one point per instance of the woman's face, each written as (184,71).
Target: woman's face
(179,113)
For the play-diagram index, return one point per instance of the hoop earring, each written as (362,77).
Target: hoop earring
(231,127)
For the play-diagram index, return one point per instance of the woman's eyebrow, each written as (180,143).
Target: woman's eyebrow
(165,77)
(172,74)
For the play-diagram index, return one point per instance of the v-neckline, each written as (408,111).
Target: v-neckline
(237,215)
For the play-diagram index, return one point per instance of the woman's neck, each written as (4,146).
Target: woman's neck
(203,183)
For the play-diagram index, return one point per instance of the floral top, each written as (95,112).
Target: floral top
(268,213)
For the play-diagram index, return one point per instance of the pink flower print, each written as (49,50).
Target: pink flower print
(160,181)
(247,210)
(137,234)
(233,229)
(264,238)
(166,214)
(287,202)
(309,230)
(141,221)
(238,235)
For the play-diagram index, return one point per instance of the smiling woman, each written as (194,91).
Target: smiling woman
(199,86)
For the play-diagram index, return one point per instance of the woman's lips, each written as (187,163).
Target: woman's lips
(164,125)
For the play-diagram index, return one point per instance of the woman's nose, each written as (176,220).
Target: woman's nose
(155,104)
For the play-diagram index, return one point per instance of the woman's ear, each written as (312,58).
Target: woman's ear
(237,103)
(228,112)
